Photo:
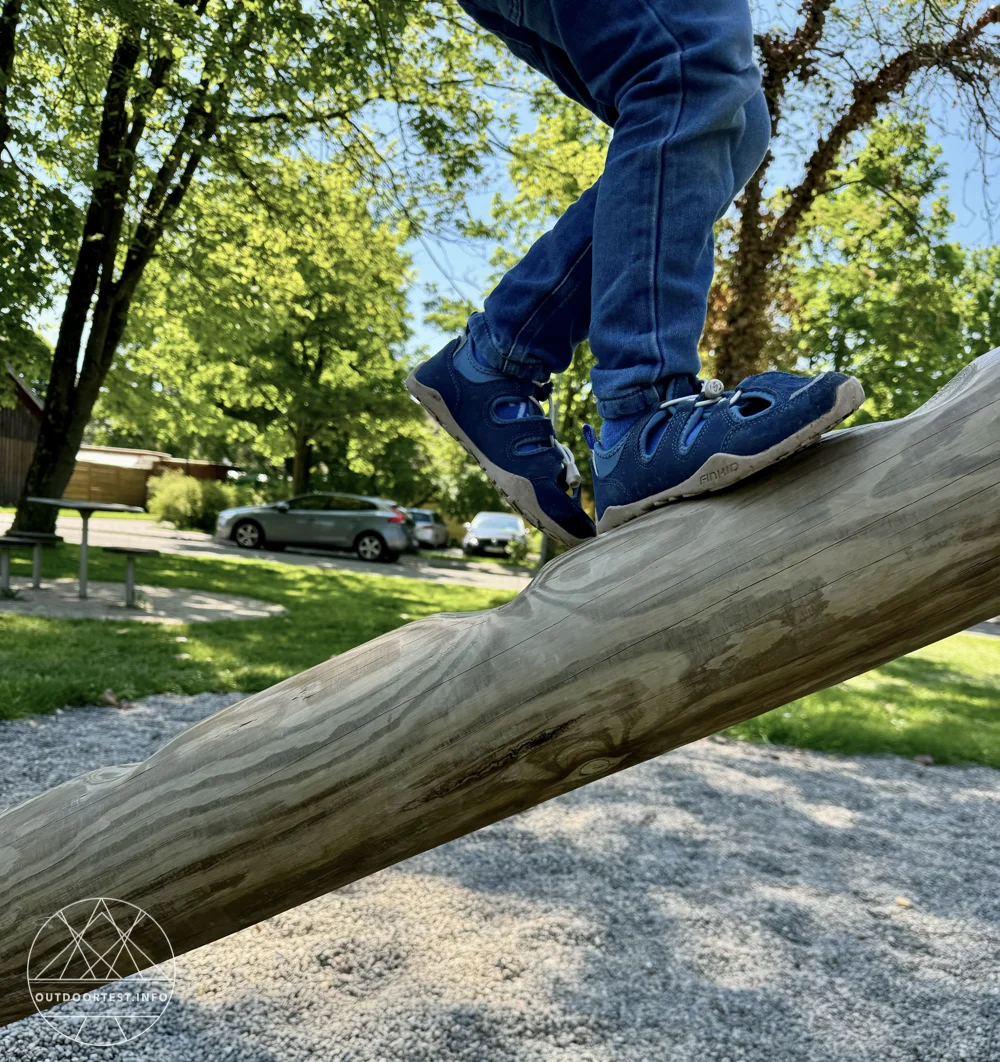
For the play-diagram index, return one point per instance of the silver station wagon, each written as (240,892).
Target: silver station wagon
(375,528)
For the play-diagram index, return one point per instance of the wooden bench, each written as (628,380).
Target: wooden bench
(28,540)
(130,555)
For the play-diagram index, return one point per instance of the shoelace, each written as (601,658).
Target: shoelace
(573,477)
(711,393)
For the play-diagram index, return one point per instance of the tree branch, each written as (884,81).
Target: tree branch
(783,57)
(9,19)
(867,97)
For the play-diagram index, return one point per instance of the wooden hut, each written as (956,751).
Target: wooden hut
(19,427)
(102,473)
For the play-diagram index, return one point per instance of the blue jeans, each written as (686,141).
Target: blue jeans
(630,263)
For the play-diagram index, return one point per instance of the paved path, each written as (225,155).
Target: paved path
(59,599)
(105,531)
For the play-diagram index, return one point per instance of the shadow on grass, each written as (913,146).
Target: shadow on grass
(49,663)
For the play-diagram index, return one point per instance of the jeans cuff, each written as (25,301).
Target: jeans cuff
(627,404)
(486,351)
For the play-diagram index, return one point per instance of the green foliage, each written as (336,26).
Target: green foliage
(272,325)
(518,550)
(878,289)
(118,114)
(394,87)
(189,504)
(30,358)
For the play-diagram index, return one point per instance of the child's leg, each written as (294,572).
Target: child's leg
(678,81)
(540,311)
(487,389)
(692,127)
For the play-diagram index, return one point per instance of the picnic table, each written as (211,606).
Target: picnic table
(86,509)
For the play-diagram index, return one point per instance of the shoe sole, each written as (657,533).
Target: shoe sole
(723,470)
(518,491)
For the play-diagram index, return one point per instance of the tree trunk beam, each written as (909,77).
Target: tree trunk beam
(880,540)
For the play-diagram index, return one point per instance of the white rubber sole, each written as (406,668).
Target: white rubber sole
(519,492)
(723,470)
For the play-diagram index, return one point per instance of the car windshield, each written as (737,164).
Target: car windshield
(496,522)
(421,518)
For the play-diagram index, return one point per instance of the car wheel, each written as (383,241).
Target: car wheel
(370,546)
(248,535)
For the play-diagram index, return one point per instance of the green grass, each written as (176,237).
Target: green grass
(10,510)
(942,701)
(46,663)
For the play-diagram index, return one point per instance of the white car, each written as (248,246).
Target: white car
(432,531)
(493,533)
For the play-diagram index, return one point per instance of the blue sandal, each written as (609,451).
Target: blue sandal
(713,438)
(501,422)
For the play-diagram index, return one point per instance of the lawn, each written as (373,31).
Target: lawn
(48,663)
(943,701)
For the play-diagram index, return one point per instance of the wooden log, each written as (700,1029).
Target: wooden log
(882,539)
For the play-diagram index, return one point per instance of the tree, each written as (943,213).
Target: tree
(274,331)
(111,109)
(826,82)
(281,311)
(879,290)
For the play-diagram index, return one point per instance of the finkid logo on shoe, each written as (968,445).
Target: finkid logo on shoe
(719,473)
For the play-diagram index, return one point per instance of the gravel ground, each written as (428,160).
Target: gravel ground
(724,902)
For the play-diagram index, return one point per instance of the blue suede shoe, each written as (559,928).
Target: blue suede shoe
(501,422)
(712,438)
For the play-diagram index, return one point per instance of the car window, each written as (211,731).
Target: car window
(436,519)
(497,522)
(308,501)
(421,518)
(343,503)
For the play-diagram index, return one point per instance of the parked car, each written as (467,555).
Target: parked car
(432,531)
(493,533)
(375,528)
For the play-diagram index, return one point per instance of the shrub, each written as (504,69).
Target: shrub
(189,504)
(518,550)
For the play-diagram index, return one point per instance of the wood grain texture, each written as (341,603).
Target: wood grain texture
(880,540)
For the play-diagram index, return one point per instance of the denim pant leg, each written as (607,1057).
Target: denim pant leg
(540,311)
(691,128)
